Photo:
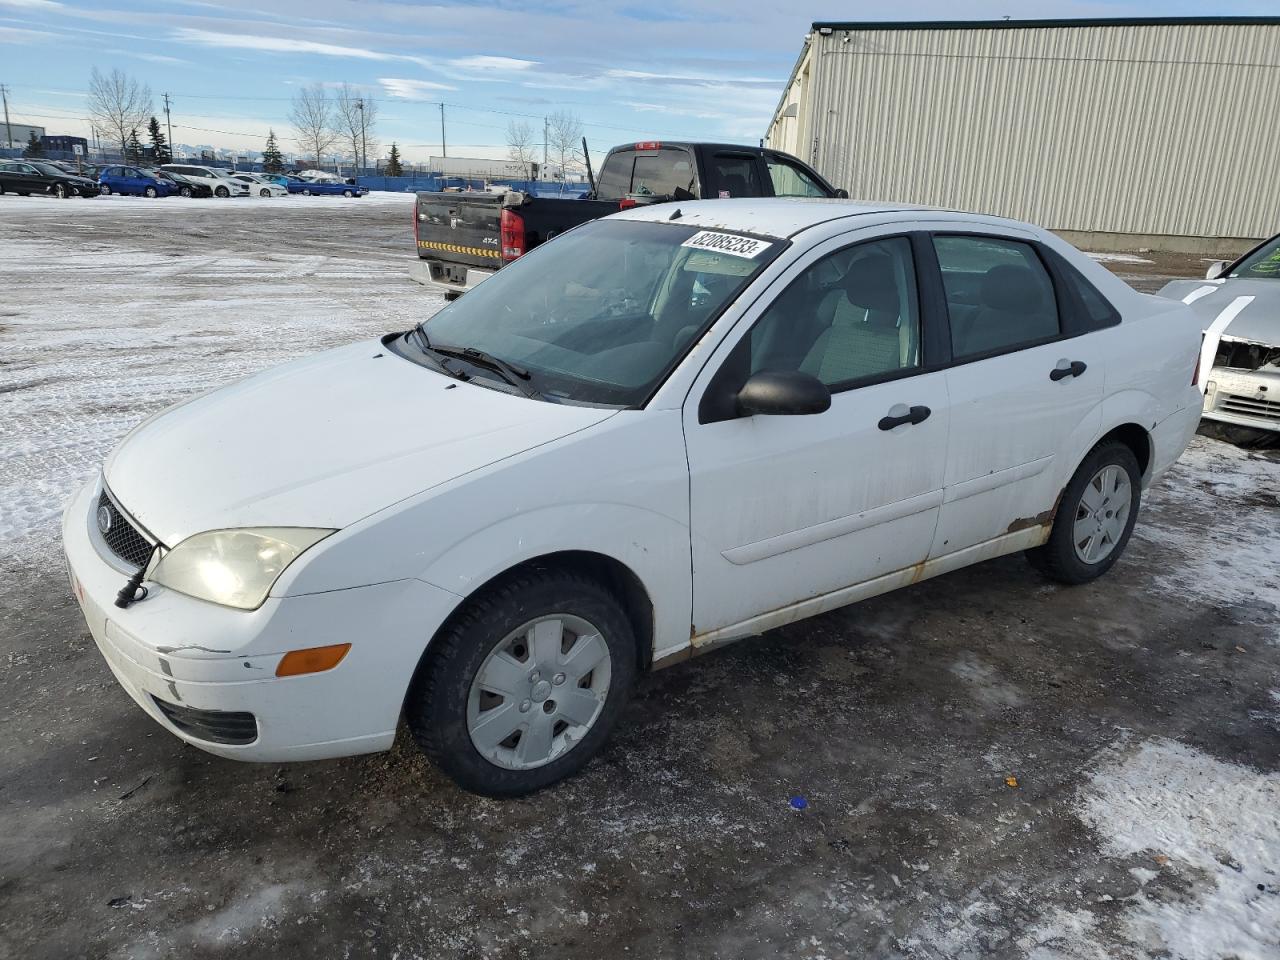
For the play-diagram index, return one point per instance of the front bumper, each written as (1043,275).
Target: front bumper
(1246,398)
(171,650)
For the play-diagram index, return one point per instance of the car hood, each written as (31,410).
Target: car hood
(1258,321)
(321,442)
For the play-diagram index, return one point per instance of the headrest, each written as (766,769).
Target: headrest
(1012,289)
(870,284)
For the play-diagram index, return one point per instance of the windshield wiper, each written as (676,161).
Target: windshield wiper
(514,374)
(432,354)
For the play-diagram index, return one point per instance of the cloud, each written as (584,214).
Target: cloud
(250,41)
(149,57)
(19,35)
(689,78)
(483,62)
(32,4)
(412,89)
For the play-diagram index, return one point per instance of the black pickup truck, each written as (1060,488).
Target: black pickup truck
(463,237)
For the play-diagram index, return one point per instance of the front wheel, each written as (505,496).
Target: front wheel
(222,192)
(1095,517)
(104,190)
(150,193)
(306,192)
(185,192)
(60,191)
(523,686)
(348,194)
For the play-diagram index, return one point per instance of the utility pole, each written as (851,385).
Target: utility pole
(543,173)
(364,147)
(444,150)
(8,131)
(168,123)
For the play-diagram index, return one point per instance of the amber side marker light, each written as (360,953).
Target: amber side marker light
(311,660)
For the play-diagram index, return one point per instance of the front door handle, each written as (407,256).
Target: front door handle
(899,414)
(1064,369)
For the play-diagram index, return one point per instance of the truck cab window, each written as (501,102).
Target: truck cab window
(790,181)
(735,175)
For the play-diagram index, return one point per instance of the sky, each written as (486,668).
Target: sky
(630,70)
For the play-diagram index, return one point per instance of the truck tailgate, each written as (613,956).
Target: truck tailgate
(461,228)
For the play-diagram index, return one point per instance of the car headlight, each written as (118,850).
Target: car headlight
(236,568)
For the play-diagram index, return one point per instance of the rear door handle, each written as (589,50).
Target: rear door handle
(900,413)
(1065,369)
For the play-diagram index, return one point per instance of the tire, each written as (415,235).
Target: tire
(1069,556)
(306,192)
(445,705)
(150,193)
(184,192)
(348,194)
(264,192)
(221,192)
(60,191)
(104,191)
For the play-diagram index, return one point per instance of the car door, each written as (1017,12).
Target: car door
(787,511)
(24,179)
(1025,387)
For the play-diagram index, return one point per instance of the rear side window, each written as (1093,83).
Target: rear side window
(790,181)
(734,175)
(1096,309)
(999,295)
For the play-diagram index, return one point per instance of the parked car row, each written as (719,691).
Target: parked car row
(25,177)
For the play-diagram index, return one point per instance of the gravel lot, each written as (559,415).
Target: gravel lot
(994,766)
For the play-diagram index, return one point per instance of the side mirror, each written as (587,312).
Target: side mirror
(1216,269)
(842,194)
(779,393)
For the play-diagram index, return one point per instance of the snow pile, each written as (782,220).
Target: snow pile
(1218,825)
(1117,258)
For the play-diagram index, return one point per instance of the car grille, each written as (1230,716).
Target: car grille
(122,538)
(215,726)
(1249,406)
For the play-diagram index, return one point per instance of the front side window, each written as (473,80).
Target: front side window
(602,313)
(999,295)
(852,316)
(1262,264)
(790,181)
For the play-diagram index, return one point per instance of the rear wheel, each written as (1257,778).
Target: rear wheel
(524,685)
(104,190)
(184,192)
(264,192)
(306,192)
(222,192)
(150,193)
(1095,517)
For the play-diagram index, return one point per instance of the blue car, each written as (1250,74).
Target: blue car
(131,181)
(322,189)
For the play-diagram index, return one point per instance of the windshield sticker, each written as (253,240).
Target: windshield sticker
(729,243)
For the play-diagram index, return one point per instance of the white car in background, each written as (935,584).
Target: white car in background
(659,432)
(260,186)
(221,182)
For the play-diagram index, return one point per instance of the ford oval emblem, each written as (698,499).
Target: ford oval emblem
(104,518)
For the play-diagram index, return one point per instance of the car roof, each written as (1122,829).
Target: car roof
(787,216)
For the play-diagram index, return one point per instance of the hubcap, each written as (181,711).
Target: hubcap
(538,692)
(1102,514)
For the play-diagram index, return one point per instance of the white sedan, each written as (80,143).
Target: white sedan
(260,186)
(660,432)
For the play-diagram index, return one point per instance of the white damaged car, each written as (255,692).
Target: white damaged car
(660,432)
(1239,307)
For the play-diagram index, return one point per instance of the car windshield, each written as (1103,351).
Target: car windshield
(1262,264)
(601,314)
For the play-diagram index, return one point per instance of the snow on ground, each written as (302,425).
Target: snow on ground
(1117,258)
(1214,827)
(99,333)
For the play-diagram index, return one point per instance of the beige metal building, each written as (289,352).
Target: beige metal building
(1153,130)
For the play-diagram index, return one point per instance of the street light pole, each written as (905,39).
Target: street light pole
(8,131)
(364,145)
(169,124)
(444,148)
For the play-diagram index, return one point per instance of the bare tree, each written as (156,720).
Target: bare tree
(564,139)
(118,104)
(312,115)
(356,117)
(520,145)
